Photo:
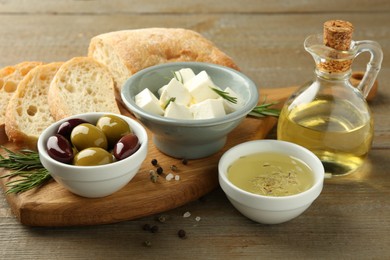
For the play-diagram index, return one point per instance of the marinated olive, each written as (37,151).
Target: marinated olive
(87,135)
(126,146)
(92,156)
(66,127)
(113,127)
(59,148)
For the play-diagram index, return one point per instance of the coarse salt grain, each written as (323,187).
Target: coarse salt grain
(177,177)
(197,218)
(187,214)
(169,177)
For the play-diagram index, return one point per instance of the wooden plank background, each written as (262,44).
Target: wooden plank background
(350,220)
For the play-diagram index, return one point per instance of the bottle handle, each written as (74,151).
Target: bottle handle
(373,66)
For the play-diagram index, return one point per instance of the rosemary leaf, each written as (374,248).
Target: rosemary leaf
(28,181)
(264,110)
(225,95)
(175,75)
(25,165)
(172,99)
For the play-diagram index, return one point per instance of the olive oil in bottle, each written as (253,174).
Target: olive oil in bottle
(328,115)
(338,133)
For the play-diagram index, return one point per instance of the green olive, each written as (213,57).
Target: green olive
(113,127)
(92,156)
(87,135)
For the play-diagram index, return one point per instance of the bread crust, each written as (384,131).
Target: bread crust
(142,48)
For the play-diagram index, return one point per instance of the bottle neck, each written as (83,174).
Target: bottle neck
(334,76)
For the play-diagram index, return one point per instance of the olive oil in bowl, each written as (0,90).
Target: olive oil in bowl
(271,174)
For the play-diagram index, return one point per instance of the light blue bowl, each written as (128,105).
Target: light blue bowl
(191,139)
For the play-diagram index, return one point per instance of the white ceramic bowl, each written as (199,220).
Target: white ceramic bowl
(270,209)
(94,181)
(191,139)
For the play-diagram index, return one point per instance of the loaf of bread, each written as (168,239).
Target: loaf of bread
(82,85)
(126,52)
(10,77)
(27,113)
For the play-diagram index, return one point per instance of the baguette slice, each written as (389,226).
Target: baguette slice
(10,77)
(28,113)
(128,51)
(82,85)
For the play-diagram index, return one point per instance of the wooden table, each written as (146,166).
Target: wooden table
(351,218)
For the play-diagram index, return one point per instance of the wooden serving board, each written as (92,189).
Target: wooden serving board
(53,205)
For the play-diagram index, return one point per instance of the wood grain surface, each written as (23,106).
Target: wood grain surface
(350,219)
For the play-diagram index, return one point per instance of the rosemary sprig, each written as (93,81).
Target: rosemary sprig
(172,99)
(181,80)
(264,110)
(225,95)
(26,165)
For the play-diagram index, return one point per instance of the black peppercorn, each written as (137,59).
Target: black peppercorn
(181,233)
(159,170)
(146,227)
(154,229)
(184,161)
(154,162)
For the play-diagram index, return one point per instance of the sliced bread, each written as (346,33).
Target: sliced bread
(128,51)
(27,113)
(10,77)
(82,85)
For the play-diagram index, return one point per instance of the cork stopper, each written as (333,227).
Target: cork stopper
(338,36)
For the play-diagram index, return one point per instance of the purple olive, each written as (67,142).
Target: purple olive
(66,127)
(126,146)
(59,148)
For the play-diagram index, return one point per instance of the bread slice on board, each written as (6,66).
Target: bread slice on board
(82,85)
(10,77)
(126,52)
(28,113)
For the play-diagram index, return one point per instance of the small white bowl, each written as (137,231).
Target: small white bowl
(270,209)
(94,181)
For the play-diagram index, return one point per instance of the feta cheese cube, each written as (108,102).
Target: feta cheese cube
(160,90)
(209,108)
(176,90)
(200,87)
(184,75)
(178,111)
(148,102)
(229,106)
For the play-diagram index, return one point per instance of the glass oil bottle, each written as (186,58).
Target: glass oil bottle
(328,115)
